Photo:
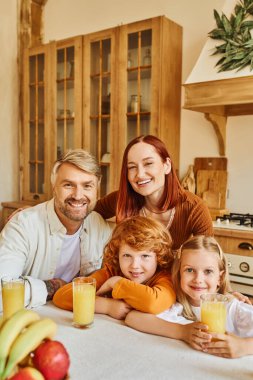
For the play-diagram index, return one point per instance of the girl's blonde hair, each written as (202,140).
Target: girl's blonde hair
(203,243)
(140,233)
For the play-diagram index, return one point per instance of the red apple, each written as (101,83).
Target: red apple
(27,373)
(52,360)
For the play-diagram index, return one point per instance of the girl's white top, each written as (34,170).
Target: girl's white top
(239,317)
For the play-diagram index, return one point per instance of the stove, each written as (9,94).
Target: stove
(234,232)
(240,220)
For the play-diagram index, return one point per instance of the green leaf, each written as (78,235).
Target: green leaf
(238,20)
(232,42)
(248,44)
(250,9)
(217,34)
(247,24)
(246,36)
(226,24)
(238,7)
(217,19)
(220,61)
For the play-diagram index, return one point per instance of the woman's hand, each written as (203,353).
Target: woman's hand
(241,297)
(227,346)
(17,211)
(108,285)
(195,334)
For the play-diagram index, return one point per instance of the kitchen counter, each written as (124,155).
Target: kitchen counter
(110,350)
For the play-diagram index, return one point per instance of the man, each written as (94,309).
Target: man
(50,243)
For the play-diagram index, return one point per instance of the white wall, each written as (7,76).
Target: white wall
(65,18)
(8,102)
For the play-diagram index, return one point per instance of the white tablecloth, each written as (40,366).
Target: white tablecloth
(109,350)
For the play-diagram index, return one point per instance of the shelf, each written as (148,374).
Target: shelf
(36,121)
(145,72)
(143,114)
(61,119)
(100,116)
(69,83)
(226,97)
(37,84)
(104,163)
(105,74)
(219,99)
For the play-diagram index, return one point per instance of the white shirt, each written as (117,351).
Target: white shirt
(239,317)
(31,242)
(69,259)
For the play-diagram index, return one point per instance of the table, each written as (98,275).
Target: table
(110,350)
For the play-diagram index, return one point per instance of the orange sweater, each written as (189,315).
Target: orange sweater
(192,216)
(154,297)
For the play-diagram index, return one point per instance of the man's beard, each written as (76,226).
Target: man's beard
(76,215)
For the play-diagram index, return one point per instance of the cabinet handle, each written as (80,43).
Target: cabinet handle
(246,246)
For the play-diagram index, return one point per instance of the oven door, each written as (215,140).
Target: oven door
(241,273)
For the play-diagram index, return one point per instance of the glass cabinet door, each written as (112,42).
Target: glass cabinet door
(139,65)
(68,96)
(35,160)
(98,82)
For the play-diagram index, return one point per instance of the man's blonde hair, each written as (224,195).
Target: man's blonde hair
(79,158)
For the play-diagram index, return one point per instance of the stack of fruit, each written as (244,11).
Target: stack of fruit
(27,351)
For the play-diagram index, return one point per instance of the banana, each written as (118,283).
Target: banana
(11,328)
(28,341)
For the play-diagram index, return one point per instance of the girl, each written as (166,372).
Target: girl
(200,267)
(149,186)
(136,272)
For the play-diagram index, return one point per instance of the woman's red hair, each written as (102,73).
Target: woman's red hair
(129,202)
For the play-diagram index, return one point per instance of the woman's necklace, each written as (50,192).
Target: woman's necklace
(169,221)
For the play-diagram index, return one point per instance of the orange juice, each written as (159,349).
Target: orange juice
(214,312)
(84,294)
(13,294)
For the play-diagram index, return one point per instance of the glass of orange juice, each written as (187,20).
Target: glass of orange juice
(13,295)
(84,295)
(214,311)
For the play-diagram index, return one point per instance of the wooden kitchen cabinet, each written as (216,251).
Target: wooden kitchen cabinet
(98,92)
(132,86)
(236,242)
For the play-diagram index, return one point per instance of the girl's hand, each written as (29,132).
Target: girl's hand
(241,297)
(195,334)
(108,285)
(227,346)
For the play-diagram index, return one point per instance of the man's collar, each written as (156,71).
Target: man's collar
(54,222)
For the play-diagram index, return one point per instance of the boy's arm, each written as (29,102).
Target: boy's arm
(153,298)
(229,346)
(114,308)
(63,298)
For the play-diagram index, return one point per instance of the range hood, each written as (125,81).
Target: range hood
(218,95)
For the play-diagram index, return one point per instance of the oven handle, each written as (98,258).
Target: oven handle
(246,246)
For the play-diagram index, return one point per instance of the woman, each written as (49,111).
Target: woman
(149,186)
